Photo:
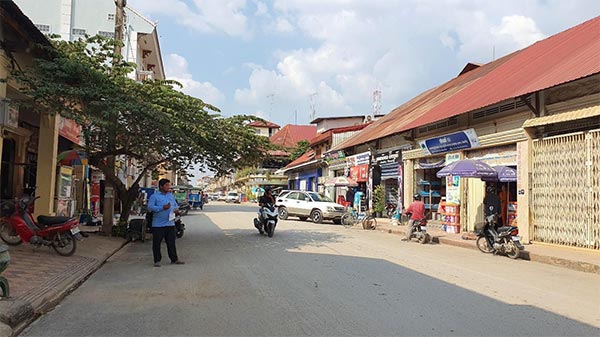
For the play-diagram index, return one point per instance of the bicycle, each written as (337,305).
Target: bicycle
(353,217)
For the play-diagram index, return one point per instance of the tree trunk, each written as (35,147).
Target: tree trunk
(127,200)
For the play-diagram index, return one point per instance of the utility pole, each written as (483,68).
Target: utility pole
(109,189)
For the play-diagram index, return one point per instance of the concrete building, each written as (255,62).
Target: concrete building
(266,129)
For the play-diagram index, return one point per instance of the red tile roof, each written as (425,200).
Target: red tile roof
(290,135)
(305,158)
(261,124)
(561,58)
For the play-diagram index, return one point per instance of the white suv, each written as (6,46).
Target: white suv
(232,197)
(306,204)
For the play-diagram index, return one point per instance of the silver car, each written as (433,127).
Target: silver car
(306,204)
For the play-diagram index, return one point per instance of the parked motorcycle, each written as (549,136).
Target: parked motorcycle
(184,207)
(503,240)
(390,208)
(267,219)
(179,227)
(17,225)
(419,231)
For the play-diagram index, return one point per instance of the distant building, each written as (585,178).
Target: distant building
(266,129)
(326,123)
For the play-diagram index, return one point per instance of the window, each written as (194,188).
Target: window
(110,35)
(78,31)
(43,28)
(111,17)
(294,196)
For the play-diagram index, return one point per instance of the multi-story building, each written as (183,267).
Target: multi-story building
(71,20)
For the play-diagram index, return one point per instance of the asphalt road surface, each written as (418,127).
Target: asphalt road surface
(321,280)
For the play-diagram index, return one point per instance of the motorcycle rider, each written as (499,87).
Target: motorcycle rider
(417,213)
(266,199)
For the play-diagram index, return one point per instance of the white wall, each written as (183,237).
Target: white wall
(327,124)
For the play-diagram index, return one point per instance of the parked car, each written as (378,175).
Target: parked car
(306,204)
(222,197)
(214,196)
(232,197)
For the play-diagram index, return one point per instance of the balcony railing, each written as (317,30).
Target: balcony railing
(142,75)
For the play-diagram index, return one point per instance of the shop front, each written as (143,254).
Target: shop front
(386,172)
(457,202)
(358,170)
(307,180)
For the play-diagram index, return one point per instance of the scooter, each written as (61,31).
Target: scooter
(419,231)
(17,225)
(267,219)
(503,240)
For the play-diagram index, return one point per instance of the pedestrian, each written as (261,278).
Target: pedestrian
(491,202)
(349,196)
(503,194)
(164,208)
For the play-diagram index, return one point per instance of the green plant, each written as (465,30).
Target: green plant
(120,229)
(379,199)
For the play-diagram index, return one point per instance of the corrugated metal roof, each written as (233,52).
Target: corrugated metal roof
(327,134)
(588,112)
(303,159)
(561,58)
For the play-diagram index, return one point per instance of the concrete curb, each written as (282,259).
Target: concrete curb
(525,255)
(43,305)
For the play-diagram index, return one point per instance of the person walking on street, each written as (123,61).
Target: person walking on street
(164,207)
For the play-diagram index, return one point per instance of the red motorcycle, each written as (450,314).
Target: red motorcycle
(17,225)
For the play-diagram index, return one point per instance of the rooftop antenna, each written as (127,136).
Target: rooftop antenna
(494,53)
(313,109)
(296,117)
(376,105)
(271,98)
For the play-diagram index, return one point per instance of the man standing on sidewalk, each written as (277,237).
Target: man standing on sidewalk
(164,206)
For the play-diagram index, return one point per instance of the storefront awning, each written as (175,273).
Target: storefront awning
(588,112)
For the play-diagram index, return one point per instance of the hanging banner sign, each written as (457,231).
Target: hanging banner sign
(359,159)
(387,157)
(359,173)
(334,155)
(466,139)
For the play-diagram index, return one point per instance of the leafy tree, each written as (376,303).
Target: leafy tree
(150,121)
(300,148)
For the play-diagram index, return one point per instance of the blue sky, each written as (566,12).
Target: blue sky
(267,58)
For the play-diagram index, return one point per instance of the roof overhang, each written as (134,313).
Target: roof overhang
(582,113)
(308,163)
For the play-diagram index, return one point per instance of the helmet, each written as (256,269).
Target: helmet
(417,196)
(490,189)
(268,189)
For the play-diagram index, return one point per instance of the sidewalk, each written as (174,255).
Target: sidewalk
(566,257)
(39,278)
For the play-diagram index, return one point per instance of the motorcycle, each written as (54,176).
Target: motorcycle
(494,239)
(419,231)
(267,219)
(184,207)
(17,225)
(179,227)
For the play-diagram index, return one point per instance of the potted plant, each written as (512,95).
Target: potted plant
(379,200)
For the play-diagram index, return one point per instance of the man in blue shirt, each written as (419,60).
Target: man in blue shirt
(164,206)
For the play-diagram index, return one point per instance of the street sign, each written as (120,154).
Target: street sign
(466,139)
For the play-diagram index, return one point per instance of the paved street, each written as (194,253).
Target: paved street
(321,280)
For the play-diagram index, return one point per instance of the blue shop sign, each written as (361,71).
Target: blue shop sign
(466,139)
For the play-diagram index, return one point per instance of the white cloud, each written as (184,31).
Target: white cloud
(261,9)
(520,29)
(284,26)
(176,68)
(206,16)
